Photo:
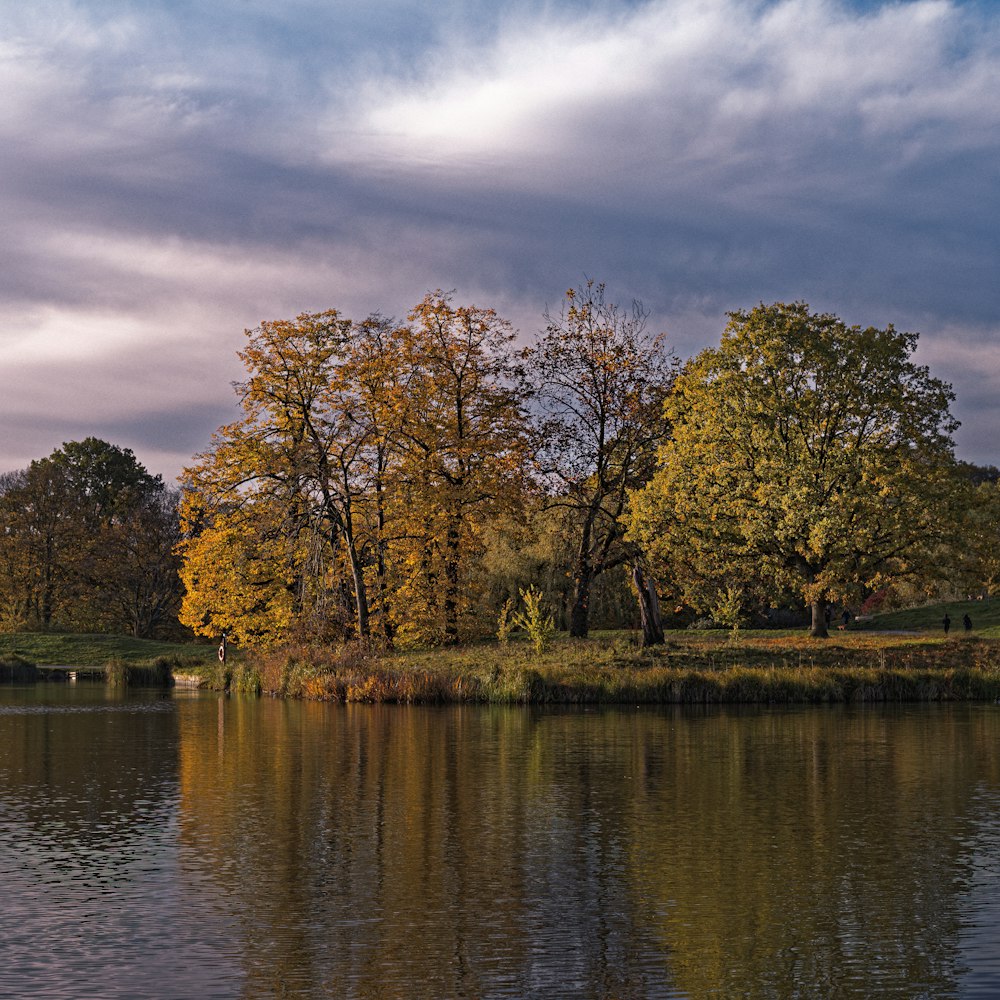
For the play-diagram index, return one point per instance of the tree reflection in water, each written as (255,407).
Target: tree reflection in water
(252,848)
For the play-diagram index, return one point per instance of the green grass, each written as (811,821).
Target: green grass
(985,617)
(96,650)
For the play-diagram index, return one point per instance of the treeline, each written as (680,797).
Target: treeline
(401,480)
(404,481)
(88,544)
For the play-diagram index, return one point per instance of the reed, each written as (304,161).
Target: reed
(119,673)
(116,673)
(759,669)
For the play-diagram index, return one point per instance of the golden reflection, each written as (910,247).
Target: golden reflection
(488,851)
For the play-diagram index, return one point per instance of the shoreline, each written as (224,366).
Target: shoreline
(758,669)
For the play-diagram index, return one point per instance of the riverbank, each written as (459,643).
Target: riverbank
(708,667)
(691,668)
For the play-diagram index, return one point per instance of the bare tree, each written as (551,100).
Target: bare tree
(599,382)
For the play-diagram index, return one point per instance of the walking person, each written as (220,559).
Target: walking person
(967,622)
(947,623)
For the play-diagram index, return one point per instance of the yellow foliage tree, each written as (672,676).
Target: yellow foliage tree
(369,455)
(462,454)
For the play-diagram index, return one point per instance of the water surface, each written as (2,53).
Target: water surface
(194,846)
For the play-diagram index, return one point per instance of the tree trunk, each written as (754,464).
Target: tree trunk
(360,592)
(818,629)
(381,570)
(579,615)
(451,590)
(649,608)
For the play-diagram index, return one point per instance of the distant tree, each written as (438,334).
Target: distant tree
(805,454)
(40,545)
(979,474)
(599,382)
(974,565)
(88,543)
(136,579)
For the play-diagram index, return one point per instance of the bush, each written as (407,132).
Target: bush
(539,625)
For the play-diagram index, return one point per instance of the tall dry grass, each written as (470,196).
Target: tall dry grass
(618,671)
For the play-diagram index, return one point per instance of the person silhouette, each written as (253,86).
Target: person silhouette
(967,622)
(946,623)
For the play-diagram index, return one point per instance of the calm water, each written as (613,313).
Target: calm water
(191,846)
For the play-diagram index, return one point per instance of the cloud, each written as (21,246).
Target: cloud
(173,172)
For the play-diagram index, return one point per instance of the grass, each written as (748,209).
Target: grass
(985,617)
(871,662)
(693,667)
(47,648)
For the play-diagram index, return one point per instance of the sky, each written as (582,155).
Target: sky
(174,172)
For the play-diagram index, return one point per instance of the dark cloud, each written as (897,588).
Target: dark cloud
(173,173)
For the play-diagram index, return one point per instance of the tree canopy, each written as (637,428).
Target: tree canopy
(370,457)
(806,456)
(88,543)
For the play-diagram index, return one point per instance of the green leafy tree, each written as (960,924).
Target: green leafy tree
(88,543)
(805,454)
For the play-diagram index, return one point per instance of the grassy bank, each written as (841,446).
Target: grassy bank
(985,616)
(95,650)
(125,661)
(700,668)
(693,667)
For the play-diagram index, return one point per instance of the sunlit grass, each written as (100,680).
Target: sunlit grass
(690,668)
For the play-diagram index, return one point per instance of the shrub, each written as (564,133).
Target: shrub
(506,621)
(539,625)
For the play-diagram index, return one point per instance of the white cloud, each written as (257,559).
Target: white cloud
(685,83)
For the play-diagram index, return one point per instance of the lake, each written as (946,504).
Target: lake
(192,845)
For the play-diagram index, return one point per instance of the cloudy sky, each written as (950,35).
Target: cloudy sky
(175,171)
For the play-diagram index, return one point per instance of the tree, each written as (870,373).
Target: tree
(40,542)
(286,473)
(599,381)
(88,543)
(462,454)
(805,454)
(368,452)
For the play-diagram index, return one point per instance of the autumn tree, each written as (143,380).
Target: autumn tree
(280,485)
(243,571)
(462,454)
(805,454)
(368,454)
(599,381)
